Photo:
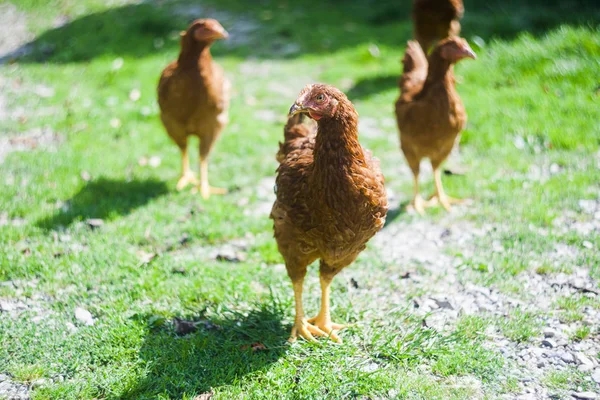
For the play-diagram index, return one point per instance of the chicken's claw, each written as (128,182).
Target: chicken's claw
(328,328)
(419,204)
(186,179)
(445,201)
(308,330)
(206,191)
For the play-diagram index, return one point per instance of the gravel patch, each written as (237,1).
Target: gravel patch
(33,139)
(11,390)
(423,247)
(13,32)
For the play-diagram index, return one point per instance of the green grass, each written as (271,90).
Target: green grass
(520,326)
(535,84)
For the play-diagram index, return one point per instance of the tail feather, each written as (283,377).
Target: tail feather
(295,132)
(415,71)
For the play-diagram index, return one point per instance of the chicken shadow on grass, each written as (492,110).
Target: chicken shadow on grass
(274,29)
(395,212)
(186,359)
(370,86)
(104,199)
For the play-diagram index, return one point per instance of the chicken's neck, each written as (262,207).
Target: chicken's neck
(337,149)
(440,71)
(195,55)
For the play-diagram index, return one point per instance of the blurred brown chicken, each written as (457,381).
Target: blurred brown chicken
(193,95)
(429,111)
(330,197)
(435,20)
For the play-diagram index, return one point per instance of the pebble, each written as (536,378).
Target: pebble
(39,383)
(585,395)
(586,368)
(84,316)
(549,343)
(527,396)
(567,357)
(549,333)
(596,376)
(582,359)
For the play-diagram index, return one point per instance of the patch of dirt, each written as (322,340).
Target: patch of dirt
(13,32)
(444,293)
(36,138)
(12,390)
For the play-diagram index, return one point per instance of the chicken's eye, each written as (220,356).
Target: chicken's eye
(320,97)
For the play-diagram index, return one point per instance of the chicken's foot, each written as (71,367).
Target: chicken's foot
(440,195)
(418,203)
(187,176)
(304,328)
(323,320)
(205,189)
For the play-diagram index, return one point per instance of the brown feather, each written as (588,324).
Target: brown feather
(431,119)
(193,93)
(330,191)
(436,19)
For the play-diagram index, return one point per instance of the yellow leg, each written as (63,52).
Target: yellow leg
(323,320)
(301,327)
(205,189)
(440,195)
(187,176)
(418,203)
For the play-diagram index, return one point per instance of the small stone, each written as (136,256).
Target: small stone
(526,396)
(567,357)
(582,359)
(596,376)
(39,383)
(72,328)
(94,222)
(584,395)
(6,306)
(539,352)
(549,333)
(4,377)
(443,303)
(84,316)
(549,343)
(586,368)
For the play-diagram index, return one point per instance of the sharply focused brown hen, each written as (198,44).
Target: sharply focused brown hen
(193,95)
(330,197)
(434,20)
(429,111)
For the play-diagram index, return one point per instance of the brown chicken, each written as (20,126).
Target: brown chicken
(435,20)
(193,95)
(429,112)
(330,197)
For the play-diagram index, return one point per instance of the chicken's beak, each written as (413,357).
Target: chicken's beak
(224,34)
(296,109)
(469,53)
